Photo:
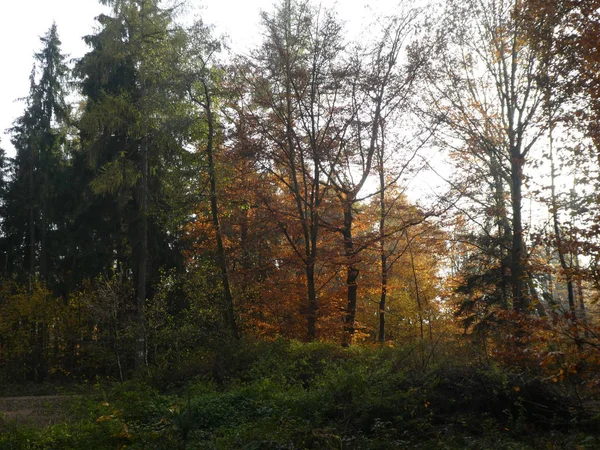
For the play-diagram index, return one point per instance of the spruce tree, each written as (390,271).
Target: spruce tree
(39,139)
(134,129)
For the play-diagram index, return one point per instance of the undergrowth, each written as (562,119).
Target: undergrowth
(289,395)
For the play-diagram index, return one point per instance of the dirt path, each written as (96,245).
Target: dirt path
(36,411)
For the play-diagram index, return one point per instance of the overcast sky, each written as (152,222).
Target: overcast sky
(22,22)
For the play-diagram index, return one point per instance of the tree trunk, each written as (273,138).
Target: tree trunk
(560,244)
(580,296)
(141,264)
(383,255)
(417,291)
(312,302)
(228,308)
(503,225)
(352,273)
(43,198)
(31,220)
(520,303)
(383,297)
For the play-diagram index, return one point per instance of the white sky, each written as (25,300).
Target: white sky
(22,22)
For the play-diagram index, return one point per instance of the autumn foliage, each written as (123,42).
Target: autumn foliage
(338,239)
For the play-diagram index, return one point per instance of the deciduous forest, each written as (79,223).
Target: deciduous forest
(337,240)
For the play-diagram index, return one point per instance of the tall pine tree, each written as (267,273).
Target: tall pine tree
(134,130)
(39,138)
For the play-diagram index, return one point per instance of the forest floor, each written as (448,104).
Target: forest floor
(38,411)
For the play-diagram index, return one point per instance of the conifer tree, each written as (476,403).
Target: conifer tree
(39,138)
(134,125)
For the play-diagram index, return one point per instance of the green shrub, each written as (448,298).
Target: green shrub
(289,395)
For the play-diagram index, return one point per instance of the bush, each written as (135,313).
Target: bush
(288,395)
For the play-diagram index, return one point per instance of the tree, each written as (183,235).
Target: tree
(40,140)
(397,149)
(29,203)
(295,79)
(488,98)
(406,236)
(134,127)
(376,92)
(567,42)
(202,89)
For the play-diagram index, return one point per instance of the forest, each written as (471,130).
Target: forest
(341,239)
